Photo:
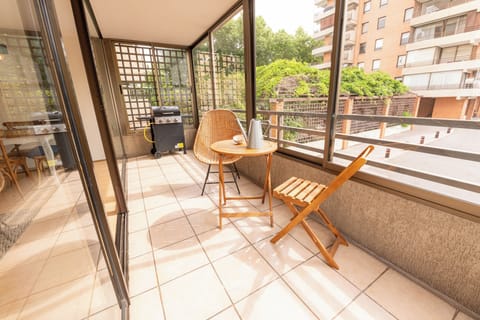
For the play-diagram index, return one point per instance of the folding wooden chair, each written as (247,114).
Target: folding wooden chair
(303,197)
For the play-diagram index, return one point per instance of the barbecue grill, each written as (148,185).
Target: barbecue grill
(167,130)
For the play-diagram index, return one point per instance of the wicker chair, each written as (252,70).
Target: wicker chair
(9,166)
(216,125)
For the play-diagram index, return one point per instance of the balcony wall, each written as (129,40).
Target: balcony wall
(437,247)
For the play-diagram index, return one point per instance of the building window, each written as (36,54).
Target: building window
(367,6)
(362,48)
(399,79)
(401,61)
(408,14)
(376,64)
(378,44)
(364,27)
(361,65)
(383,3)
(404,38)
(381,22)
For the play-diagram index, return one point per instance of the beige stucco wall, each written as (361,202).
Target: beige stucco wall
(436,247)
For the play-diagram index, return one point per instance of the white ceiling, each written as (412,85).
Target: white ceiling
(175,22)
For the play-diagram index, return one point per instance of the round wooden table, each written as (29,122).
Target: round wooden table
(228,147)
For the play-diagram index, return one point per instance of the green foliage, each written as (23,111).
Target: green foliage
(269,46)
(295,122)
(314,82)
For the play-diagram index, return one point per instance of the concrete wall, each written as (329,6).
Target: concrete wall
(436,247)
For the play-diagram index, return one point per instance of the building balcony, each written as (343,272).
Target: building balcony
(327,12)
(465,66)
(325,65)
(320,35)
(472,37)
(321,3)
(438,13)
(322,50)
(352,18)
(349,38)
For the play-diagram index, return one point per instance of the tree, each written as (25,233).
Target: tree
(309,81)
(269,45)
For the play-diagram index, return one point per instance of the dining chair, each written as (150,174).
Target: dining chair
(303,197)
(7,167)
(216,125)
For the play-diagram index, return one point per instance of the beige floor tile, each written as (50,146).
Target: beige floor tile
(178,259)
(164,214)
(219,243)
(274,301)
(42,229)
(244,272)
(357,266)
(142,275)
(75,239)
(325,291)
(33,251)
(228,314)
(204,221)
(108,314)
(197,204)
(256,228)
(135,202)
(137,222)
(67,301)
(187,192)
(47,213)
(170,232)
(157,200)
(146,306)
(191,296)
(24,274)
(11,311)
(325,236)
(78,219)
(67,267)
(407,300)
(463,316)
(283,256)
(139,243)
(282,215)
(364,308)
(103,295)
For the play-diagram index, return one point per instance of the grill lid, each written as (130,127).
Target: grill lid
(165,111)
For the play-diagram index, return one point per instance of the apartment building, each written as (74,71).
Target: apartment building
(432,46)
(443,58)
(375,36)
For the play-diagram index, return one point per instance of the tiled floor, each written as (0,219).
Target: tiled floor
(183,267)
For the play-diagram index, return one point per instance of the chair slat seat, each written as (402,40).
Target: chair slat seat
(303,197)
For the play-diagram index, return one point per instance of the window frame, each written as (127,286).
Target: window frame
(365,27)
(383,3)
(384,22)
(362,48)
(402,65)
(378,41)
(374,62)
(411,9)
(367,6)
(402,42)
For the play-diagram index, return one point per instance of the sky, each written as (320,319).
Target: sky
(287,14)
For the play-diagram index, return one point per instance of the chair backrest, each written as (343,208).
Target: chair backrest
(343,176)
(216,125)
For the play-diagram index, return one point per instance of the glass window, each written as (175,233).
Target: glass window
(404,38)
(401,61)
(365,27)
(417,81)
(376,64)
(362,48)
(367,6)
(408,14)
(446,80)
(381,22)
(383,3)
(378,44)
(361,65)
(421,57)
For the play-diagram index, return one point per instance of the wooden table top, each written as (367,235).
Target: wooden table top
(228,147)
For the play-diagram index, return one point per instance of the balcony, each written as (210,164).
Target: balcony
(438,13)
(322,50)
(352,18)
(181,265)
(322,34)
(321,3)
(471,37)
(349,38)
(327,12)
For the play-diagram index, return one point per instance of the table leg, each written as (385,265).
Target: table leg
(221,190)
(268,183)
